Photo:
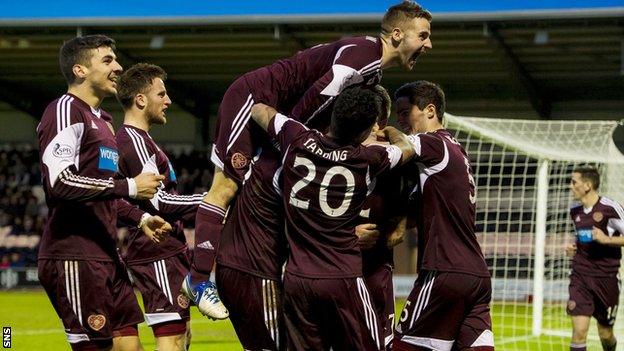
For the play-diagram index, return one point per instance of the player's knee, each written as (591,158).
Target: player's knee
(171,336)
(605,333)
(579,336)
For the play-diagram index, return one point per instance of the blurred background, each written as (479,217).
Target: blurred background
(533,60)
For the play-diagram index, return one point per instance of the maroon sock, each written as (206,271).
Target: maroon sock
(578,347)
(609,344)
(208,226)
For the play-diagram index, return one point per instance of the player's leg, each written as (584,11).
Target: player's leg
(81,295)
(433,312)
(126,314)
(580,307)
(607,293)
(231,154)
(580,327)
(255,306)
(475,333)
(379,284)
(166,308)
(301,311)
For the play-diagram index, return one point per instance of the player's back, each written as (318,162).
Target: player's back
(77,229)
(253,236)
(592,258)
(445,206)
(330,66)
(325,186)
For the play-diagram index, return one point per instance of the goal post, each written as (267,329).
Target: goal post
(522,171)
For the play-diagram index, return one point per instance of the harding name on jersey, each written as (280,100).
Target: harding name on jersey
(335,155)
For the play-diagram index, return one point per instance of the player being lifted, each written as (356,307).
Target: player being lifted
(303,86)
(594,285)
(326,179)
(78,262)
(158,269)
(448,308)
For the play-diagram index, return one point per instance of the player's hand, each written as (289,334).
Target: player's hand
(599,236)
(367,234)
(570,250)
(397,236)
(156,228)
(147,185)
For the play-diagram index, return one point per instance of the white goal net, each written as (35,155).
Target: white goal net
(522,170)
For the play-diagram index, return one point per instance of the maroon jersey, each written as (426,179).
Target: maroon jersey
(253,236)
(445,206)
(305,84)
(592,258)
(325,185)
(381,206)
(138,153)
(78,164)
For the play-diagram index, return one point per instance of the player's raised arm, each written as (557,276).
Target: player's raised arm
(263,114)
(400,140)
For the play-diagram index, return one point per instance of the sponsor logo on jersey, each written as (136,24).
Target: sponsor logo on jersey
(183,301)
(108,159)
(206,245)
(577,219)
(239,160)
(584,235)
(597,216)
(96,321)
(62,150)
(172,174)
(93,125)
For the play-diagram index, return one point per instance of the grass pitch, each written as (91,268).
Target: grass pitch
(35,326)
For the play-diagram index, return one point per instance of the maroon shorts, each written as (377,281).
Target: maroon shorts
(236,134)
(255,306)
(594,296)
(160,283)
(324,314)
(92,298)
(446,311)
(379,283)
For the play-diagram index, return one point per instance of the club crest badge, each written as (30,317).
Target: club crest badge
(183,301)
(96,321)
(597,216)
(239,160)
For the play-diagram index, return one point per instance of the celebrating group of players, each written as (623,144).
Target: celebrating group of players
(306,203)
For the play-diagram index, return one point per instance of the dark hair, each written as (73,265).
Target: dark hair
(137,80)
(355,111)
(397,15)
(386,104)
(589,174)
(422,93)
(77,51)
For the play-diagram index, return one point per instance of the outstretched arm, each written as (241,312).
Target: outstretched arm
(397,138)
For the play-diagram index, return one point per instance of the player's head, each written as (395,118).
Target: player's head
(584,181)
(420,106)
(355,112)
(142,87)
(91,60)
(386,105)
(407,27)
